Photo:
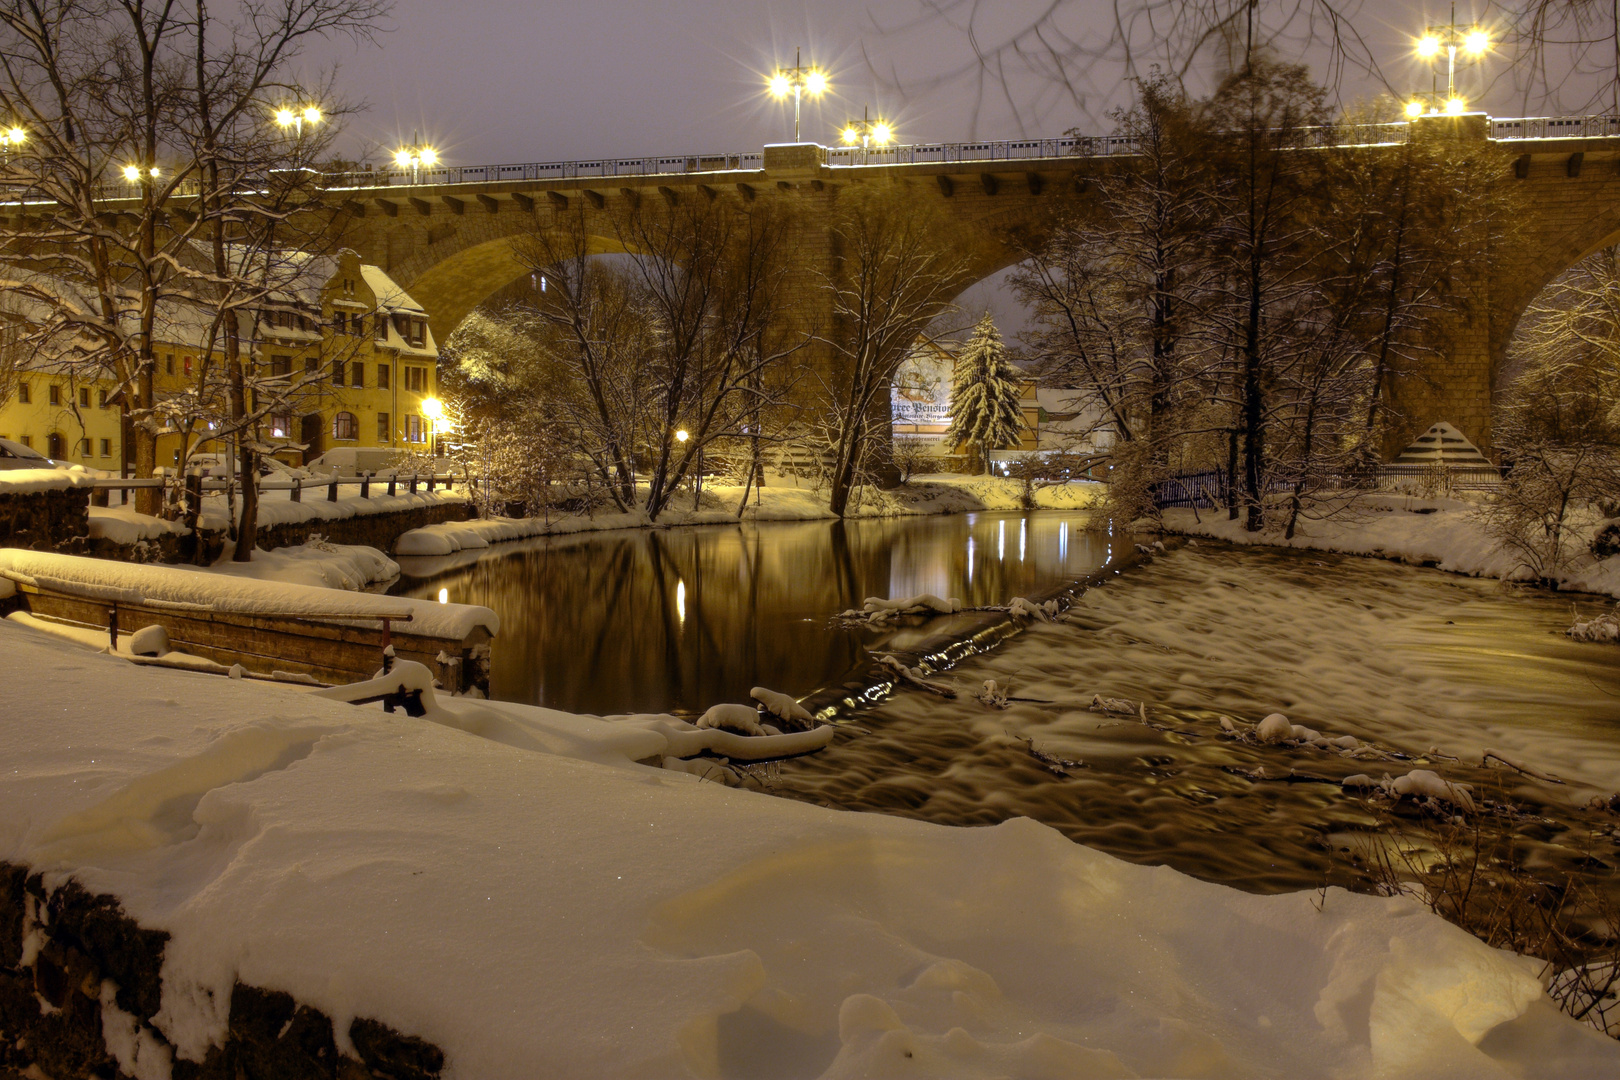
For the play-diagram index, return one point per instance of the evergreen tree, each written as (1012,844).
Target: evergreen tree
(984,394)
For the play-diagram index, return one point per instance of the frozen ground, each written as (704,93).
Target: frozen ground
(509,885)
(1446,533)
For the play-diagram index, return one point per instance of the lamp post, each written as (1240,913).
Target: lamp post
(433,409)
(296,118)
(414,156)
(9,138)
(868,133)
(797,80)
(1474,43)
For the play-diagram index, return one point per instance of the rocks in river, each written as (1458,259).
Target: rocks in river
(1274,729)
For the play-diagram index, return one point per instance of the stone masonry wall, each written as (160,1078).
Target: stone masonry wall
(46,520)
(73,965)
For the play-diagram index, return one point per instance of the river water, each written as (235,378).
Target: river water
(676,620)
(1427,668)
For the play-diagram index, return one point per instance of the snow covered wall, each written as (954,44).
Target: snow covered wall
(507,885)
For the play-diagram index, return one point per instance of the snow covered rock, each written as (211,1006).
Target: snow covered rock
(1424,783)
(919,603)
(782,706)
(149,641)
(743,719)
(992,695)
(1028,609)
(1274,729)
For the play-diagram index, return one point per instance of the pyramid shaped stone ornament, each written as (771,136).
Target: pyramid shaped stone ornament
(1442,444)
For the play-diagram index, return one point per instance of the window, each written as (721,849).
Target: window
(28,441)
(357,374)
(281,365)
(101,398)
(56,395)
(383,434)
(84,448)
(379,328)
(416,332)
(344,427)
(280,426)
(338,367)
(23,396)
(311,365)
(188,366)
(413,429)
(416,380)
(106,448)
(53,445)
(84,397)
(340,322)
(382,376)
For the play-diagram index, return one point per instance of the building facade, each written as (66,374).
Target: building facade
(346,354)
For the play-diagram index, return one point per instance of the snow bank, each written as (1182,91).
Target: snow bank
(318,564)
(1447,533)
(556,903)
(25,481)
(123,525)
(143,583)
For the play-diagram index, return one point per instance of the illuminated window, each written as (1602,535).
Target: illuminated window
(413,429)
(344,426)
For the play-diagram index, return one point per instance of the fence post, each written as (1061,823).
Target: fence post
(365,485)
(431,478)
(413,483)
(393,478)
(112,626)
(298,489)
(331,489)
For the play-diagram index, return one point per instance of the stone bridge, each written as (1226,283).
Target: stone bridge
(446,236)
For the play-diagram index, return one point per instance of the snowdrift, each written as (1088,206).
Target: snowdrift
(513,888)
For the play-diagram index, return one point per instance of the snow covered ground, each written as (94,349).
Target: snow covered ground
(123,525)
(508,884)
(782,499)
(1444,532)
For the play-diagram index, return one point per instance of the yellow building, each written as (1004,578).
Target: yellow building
(347,350)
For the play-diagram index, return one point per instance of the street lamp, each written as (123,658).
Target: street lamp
(798,81)
(868,133)
(433,409)
(9,138)
(415,156)
(134,174)
(1474,43)
(297,118)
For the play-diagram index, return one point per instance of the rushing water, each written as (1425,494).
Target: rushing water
(681,619)
(1425,665)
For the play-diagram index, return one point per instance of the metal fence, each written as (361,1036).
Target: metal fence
(327,487)
(1209,489)
(1556,127)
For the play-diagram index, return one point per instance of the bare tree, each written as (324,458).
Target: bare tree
(145,130)
(892,277)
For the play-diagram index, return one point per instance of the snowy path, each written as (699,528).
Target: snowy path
(561,909)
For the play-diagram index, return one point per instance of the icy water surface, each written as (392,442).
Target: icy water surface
(681,619)
(1405,658)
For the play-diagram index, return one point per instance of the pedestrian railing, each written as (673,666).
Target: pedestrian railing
(390,482)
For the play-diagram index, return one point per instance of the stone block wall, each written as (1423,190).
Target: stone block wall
(46,520)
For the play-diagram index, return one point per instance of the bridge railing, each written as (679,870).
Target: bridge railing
(545,170)
(1555,127)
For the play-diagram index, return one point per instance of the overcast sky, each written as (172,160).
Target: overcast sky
(489,81)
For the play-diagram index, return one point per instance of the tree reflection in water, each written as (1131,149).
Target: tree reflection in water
(680,619)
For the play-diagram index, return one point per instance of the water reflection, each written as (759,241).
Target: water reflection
(680,619)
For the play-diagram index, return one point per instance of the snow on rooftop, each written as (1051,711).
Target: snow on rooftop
(145,582)
(508,885)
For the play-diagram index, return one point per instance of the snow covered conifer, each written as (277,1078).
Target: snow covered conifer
(984,394)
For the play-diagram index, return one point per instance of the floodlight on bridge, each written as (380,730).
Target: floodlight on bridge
(797,80)
(135,174)
(867,133)
(1414,109)
(414,157)
(296,117)
(1474,43)
(10,138)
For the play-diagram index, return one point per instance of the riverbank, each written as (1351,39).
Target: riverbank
(1448,534)
(782,499)
(510,887)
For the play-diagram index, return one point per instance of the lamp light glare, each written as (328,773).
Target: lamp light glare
(430,156)
(1414,109)
(132,173)
(285,117)
(1477,41)
(1455,105)
(681,435)
(402,158)
(312,115)
(16,135)
(1428,46)
(851,136)
(780,86)
(882,133)
(815,83)
(432,408)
